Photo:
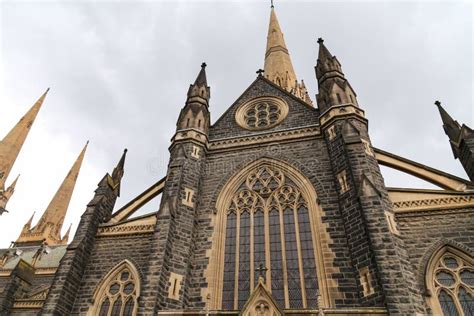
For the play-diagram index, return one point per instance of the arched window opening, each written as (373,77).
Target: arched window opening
(451,281)
(118,293)
(268,223)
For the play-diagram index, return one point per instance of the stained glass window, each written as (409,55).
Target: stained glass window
(259,243)
(307,253)
(118,293)
(453,283)
(229,269)
(262,114)
(268,221)
(292,269)
(276,267)
(244,259)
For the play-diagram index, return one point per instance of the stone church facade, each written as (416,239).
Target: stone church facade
(279,207)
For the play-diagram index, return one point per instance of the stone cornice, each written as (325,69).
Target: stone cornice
(189,134)
(265,137)
(40,271)
(443,203)
(28,304)
(341,111)
(366,311)
(142,225)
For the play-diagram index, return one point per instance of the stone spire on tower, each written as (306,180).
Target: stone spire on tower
(278,67)
(49,226)
(10,147)
(461,139)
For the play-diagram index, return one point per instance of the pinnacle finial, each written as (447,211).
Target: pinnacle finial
(437,103)
(203,65)
(320,40)
(271,5)
(260,72)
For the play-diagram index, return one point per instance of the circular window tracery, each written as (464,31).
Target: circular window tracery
(262,113)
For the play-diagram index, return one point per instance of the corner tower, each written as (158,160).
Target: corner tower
(377,251)
(169,279)
(278,67)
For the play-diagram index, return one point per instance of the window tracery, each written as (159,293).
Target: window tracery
(267,222)
(452,284)
(118,293)
(262,113)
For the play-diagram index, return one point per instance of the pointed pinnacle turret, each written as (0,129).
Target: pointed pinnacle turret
(334,89)
(118,172)
(199,91)
(11,145)
(66,235)
(201,78)
(461,139)
(327,65)
(278,67)
(195,113)
(50,224)
(30,221)
(451,127)
(6,195)
(324,53)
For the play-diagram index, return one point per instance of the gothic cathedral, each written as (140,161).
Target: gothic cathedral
(278,207)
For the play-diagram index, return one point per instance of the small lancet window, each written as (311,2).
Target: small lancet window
(339,100)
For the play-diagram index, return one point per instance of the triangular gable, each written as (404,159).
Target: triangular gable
(261,302)
(299,111)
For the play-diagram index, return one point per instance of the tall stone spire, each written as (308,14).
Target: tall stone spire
(49,226)
(10,147)
(461,139)
(278,67)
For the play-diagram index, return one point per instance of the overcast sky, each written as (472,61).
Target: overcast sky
(119,73)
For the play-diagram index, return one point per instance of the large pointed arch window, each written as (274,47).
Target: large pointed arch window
(118,293)
(451,281)
(267,223)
